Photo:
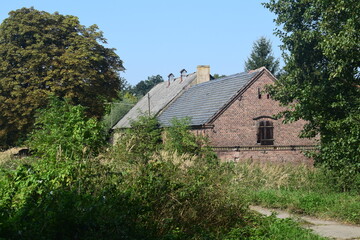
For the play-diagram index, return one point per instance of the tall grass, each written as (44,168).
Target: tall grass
(171,196)
(298,188)
(136,190)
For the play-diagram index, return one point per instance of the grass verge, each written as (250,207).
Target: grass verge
(338,206)
(274,228)
(299,189)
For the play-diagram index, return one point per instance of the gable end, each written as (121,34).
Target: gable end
(240,93)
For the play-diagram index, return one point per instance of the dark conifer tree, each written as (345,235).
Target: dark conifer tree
(262,56)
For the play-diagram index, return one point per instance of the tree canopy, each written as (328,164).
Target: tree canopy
(321,43)
(145,86)
(42,54)
(262,56)
(216,75)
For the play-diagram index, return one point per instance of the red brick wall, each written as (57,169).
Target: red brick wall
(282,156)
(236,127)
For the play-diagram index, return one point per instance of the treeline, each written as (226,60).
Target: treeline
(144,86)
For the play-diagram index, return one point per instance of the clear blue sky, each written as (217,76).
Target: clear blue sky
(165,36)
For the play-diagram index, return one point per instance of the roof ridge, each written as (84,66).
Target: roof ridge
(232,76)
(202,101)
(258,69)
(160,97)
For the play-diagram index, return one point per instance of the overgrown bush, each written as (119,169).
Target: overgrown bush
(64,129)
(340,152)
(139,142)
(185,194)
(118,109)
(64,193)
(182,186)
(66,200)
(179,138)
(133,191)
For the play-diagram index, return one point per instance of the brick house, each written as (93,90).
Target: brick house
(233,111)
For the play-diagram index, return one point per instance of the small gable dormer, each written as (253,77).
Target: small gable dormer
(183,74)
(171,77)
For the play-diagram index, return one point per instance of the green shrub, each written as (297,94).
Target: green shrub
(140,141)
(184,190)
(340,152)
(66,200)
(178,137)
(132,192)
(118,110)
(63,129)
(183,195)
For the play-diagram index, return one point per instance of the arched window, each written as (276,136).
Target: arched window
(265,135)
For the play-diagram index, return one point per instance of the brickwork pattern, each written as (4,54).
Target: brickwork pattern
(288,156)
(236,126)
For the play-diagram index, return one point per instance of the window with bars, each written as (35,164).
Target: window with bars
(265,135)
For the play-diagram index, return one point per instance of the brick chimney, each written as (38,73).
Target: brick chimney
(202,74)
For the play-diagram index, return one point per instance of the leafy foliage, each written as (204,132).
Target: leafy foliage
(183,195)
(216,75)
(66,200)
(123,194)
(64,129)
(42,54)
(262,56)
(118,109)
(340,151)
(141,140)
(321,79)
(176,185)
(145,86)
(179,138)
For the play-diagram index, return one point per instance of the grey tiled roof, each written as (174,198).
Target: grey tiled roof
(201,102)
(160,96)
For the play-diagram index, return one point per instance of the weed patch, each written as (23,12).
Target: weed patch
(136,190)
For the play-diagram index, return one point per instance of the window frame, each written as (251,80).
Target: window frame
(265,132)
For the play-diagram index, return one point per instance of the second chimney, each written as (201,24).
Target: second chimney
(202,74)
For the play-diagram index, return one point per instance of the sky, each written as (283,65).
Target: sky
(166,36)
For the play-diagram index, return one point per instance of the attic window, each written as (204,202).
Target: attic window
(259,93)
(265,134)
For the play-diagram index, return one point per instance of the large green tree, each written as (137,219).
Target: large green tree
(42,54)
(262,56)
(321,43)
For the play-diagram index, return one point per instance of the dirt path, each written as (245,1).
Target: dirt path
(329,229)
